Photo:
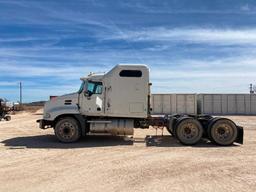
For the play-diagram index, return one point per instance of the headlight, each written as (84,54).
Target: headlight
(47,115)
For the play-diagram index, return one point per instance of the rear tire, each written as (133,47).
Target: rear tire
(67,130)
(223,132)
(189,131)
(8,118)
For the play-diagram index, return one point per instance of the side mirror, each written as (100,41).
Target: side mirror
(87,93)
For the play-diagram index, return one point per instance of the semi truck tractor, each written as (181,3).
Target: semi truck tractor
(117,102)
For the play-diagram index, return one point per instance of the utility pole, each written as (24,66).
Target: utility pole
(251,89)
(20,94)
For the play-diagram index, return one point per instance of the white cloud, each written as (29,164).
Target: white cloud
(225,68)
(71,72)
(245,7)
(223,75)
(195,35)
(25,39)
(45,13)
(37,93)
(8,83)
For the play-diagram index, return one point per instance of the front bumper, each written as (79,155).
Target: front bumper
(44,124)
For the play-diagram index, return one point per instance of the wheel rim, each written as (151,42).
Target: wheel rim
(223,132)
(189,131)
(67,130)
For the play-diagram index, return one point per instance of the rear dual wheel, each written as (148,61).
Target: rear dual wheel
(188,131)
(222,132)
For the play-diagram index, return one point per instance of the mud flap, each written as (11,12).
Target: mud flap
(240,135)
(171,125)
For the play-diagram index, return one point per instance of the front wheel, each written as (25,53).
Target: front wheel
(189,131)
(67,130)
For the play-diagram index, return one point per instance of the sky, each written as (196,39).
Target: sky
(190,46)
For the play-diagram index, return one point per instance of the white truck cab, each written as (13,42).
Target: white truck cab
(122,92)
(117,102)
(111,103)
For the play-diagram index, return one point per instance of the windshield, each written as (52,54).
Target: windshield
(81,87)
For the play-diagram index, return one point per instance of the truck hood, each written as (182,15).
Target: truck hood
(67,98)
(64,102)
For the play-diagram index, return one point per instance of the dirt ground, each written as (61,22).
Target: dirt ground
(33,160)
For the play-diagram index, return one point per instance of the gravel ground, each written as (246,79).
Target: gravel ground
(33,160)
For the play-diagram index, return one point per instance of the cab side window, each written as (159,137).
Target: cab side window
(130,73)
(94,87)
(98,89)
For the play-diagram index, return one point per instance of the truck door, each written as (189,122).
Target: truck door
(92,99)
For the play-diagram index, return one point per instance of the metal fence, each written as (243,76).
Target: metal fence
(213,104)
(227,104)
(173,103)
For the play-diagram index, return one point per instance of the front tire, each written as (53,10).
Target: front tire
(67,130)
(189,131)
